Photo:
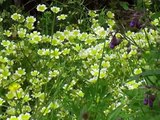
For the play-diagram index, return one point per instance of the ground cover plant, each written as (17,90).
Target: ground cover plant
(63,62)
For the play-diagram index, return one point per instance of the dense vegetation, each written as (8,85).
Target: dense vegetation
(79,60)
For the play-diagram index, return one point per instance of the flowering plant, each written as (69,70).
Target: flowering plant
(51,71)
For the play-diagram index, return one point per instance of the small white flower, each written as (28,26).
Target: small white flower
(20,72)
(41,7)
(24,116)
(55,9)
(22,32)
(93,80)
(54,105)
(53,73)
(132,84)
(8,33)
(137,71)
(34,73)
(155,22)
(16,16)
(62,17)
(106,64)
(80,93)
(30,19)
(100,31)
(5,43)
(110,14)
(92,13)
(12,118)
(10,111)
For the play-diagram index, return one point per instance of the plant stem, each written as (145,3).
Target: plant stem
(53,23)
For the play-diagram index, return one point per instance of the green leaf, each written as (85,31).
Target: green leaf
(124,5)
(155,15)
(146,73)
(114,114)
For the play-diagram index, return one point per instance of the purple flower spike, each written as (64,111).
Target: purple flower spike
(145,101)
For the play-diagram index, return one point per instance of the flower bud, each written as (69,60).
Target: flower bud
(135,23)
(152,97)
(150,103)
(132,23)
(114,42)
(145,101)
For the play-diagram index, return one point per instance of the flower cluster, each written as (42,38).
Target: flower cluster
(149,100)
(29,23)
(25,116)
(135,22)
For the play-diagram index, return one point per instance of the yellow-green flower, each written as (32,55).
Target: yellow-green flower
(41,7)
(24,116)
(55,9)
(45,110)
(93,80)
(54,105)
(6,43)
(29,25)
(110,22)
(155,22)
(66,51)
(137,71)
(30,19)
(110,14)
(11,111)
(14,86)
(55,53)
(20,72)
(8,33)
(106,64)
(100,31)
(92,13)
(34,73)
(10,94)
(53,73)
(12,118)
(26,108)
(62,17)
(16,16)
(80,93)
(22,33)
(132,84)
